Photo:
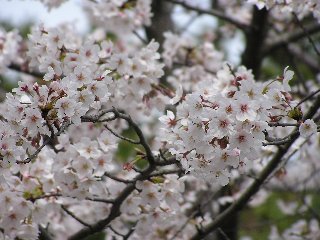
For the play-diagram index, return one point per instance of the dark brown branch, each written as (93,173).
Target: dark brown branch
(285,39)
(97,117)
(64,208)
(121,137)
(161,22)
(308,97)
(44,234)
(117,179)
(25,69)
(302,56)
(252,55)
(46,142)
(165,172)
(169,161)
(138,131)
(278,124)
(214,13)
(115,210)
(255,186)
(307,33)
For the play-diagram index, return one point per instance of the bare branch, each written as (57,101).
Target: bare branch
(64,208)
(214,13)
(255,39)
(44,234)
(307,59)
(307,33)
(97,117)
(308,97)
(138,131)
(25,69)
(165,172)
(278,124)
(274,44)
(117,179)
(121,137)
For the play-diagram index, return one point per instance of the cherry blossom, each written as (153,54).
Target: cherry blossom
(134,135)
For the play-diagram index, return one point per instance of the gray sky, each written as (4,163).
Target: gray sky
(19,11)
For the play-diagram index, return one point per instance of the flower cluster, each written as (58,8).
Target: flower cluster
(78,78)
(9,48)
(215,129)
(120,15)
(302,8)
(154,203)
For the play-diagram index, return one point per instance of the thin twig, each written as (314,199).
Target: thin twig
(97,117)
(165,172)
(214,13)
(45,143)
(308,97)
(223,234)
(25,69)
(140,38)
(278,124)
(307,33)
(94,199)
(117,179)
(121,137)
(289,38)
(136,128)
(64,208)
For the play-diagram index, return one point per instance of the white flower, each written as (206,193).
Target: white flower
(87,148)
(107,141)
(168,119)
(66,107)
(49,75)
(245,109)
(33,120)
(178,95)
(287,76)
(83,166)
(307,128)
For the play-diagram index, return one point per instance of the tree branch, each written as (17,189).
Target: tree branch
(274,44)
(138,131)
(44,234)
(121,137)
(117,179)
(64,208)
(25,69)
(46,142)
(307,59)
(214,13)
(252,55)
(115,210)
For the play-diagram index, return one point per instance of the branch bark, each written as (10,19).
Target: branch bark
(255,37)
(283,40)
(161,21)
(214,13)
